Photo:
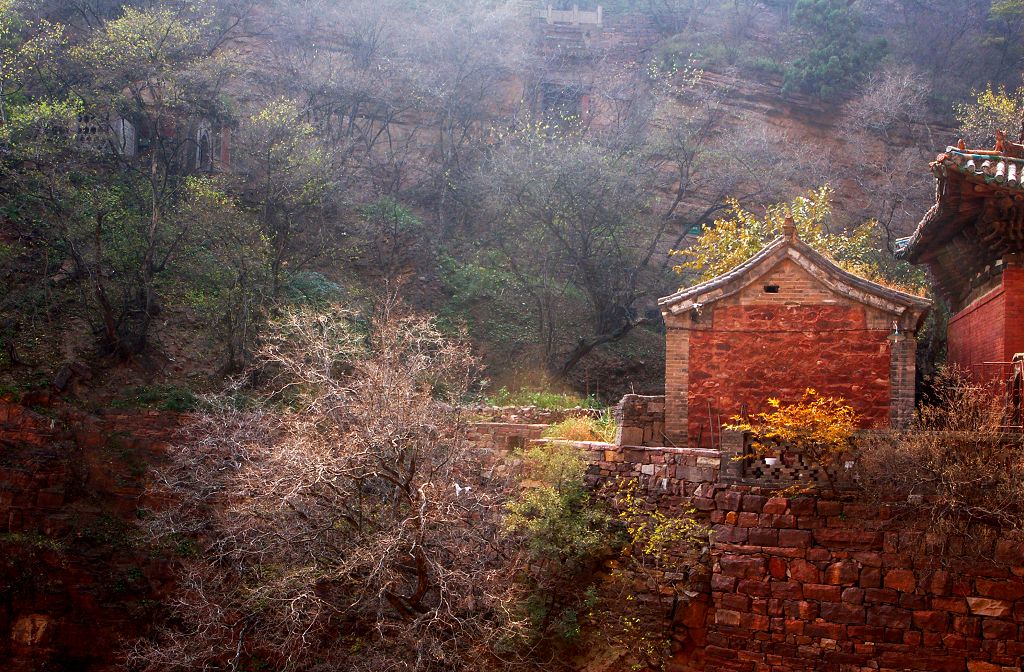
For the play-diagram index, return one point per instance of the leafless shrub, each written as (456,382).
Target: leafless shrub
(338,523)
(893,97)
(958,471)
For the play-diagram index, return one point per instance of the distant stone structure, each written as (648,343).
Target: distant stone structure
(972,241)
(786,320)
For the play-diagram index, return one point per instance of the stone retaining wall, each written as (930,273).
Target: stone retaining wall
(813,584)
(641,421)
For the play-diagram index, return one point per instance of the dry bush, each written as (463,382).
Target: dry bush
(329,526)
(584,428)
(957,471)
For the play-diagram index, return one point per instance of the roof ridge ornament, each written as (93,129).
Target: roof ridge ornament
(789,227)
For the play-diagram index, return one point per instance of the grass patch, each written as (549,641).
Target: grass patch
(602,428)
(545,399)
(160,397)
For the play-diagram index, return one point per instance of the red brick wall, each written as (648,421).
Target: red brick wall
(813,584)
(752,352)
(991,328)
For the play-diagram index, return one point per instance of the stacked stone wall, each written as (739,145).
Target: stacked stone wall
(816,584)
(641,421)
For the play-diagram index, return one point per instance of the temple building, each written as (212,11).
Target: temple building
(972,241)
(786,320)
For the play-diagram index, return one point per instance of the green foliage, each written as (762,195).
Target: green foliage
(564,532)
(162,397)
(554,512)
(838,53)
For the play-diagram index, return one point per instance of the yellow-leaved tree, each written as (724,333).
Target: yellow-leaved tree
(992,110)
(741,234)
(819,428)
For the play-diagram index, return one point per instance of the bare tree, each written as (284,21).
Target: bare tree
(340,524)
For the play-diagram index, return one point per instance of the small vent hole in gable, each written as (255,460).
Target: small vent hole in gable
(771,289)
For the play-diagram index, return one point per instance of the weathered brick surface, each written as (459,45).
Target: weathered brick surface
(730,356)
(991,328)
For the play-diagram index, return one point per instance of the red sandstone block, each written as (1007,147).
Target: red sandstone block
(848,538)
(753,503)
(817,591)
(868,558)
(827,508)
(722,584)
(775,505)
(853,596)
(783,552)
(787,590)
(759,536)
(837,612)
(934,621)
(729,534)
(1009,552)
(983,606)
(795,538)
(912,601)
(956,605)
(870,577)
(755,588)
(995,629)
(982,666)
(747,519)
(802,506)
(889,617)
(811,522)
(743,567)
(843,573)
(803,571)
(968,626)
(735,602)
(777,568)
(728,500)
(900,579)
(728,617)
(938,583)
(783,520)
(1004,590)
(819,554)
(825,628)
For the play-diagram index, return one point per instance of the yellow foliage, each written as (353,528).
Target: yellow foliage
(741,234)
(818,427)
(992,110)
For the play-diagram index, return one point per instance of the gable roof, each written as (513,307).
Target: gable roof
(908,307)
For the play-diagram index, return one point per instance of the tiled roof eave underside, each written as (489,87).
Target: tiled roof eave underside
(999,172)
(837,279)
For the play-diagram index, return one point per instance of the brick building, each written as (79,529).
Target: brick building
(785,320)
(972,241)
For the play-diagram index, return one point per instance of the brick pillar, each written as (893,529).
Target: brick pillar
(902,378)
(677,380)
